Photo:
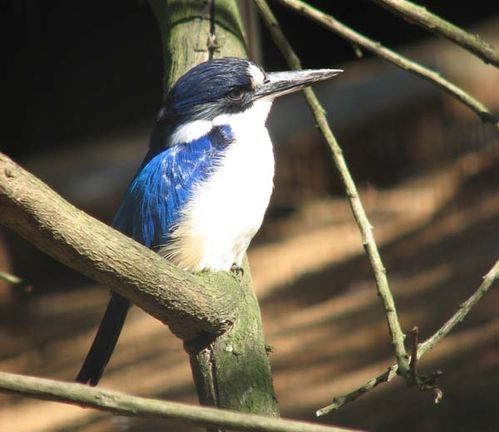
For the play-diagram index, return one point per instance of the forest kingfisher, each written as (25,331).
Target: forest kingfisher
(202,190)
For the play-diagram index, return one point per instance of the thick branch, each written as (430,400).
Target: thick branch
(423,348)
(133,406)
(351,190)
(188,304)
(181,49)
(424,18)
(191,32)
(360,40)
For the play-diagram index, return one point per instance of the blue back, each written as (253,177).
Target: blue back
(153,202)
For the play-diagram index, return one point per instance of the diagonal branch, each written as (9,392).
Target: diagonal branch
(461,313)
(359,213)
(424,18)
(423,348)
(11,279)
(133,406)
(189,304)
(405,63)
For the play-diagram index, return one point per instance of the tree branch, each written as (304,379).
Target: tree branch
(11,279)
(423,348)
(421,16)
(133,406)
(464,309)
(187,28)
(358,39)
(339,401)
(189,304)
(359,213)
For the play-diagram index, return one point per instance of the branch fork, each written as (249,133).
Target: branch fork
(423,383)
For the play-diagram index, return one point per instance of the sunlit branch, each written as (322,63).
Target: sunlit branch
(431,22)
(358,39)
(423,348)
(359,213)
(133,406)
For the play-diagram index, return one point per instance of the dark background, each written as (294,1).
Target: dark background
(76,69)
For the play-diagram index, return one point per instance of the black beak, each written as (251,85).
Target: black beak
(281,83)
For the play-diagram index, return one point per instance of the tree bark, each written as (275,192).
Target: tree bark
(206,303)
(231,370)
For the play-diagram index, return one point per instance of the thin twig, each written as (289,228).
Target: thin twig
(351,190)
(414,353)
(463,310)
(423,383)
(423,348)
(360,40)
(431,22)
(339,401)
(11,279)
(133,406)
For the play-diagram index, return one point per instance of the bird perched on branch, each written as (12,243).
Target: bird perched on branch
(203,188)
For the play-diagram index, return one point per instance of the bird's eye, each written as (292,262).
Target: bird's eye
(236,94)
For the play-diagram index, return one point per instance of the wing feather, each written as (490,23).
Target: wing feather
(154,200)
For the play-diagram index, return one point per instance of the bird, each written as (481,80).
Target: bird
(202,190)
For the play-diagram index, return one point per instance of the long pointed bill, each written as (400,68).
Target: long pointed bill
(281,83)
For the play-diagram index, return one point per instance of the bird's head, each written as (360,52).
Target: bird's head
(228,86)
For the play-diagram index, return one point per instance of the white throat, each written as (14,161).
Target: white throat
(252,117)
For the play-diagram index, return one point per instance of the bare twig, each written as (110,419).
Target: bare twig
(133,406)
(424,18)
(339,401)
(414,353)
(409,370)
(463,310)
(423,348)
(360,40)
(11,279)
(423,383)
(351,190)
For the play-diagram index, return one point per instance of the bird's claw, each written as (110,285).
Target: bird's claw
(237,270)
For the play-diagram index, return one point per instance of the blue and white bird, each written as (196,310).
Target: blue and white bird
(201,193)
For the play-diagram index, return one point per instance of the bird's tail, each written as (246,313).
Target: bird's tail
(105,340)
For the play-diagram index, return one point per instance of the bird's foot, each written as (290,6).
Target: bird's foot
(237,270)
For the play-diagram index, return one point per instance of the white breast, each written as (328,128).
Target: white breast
(226,211)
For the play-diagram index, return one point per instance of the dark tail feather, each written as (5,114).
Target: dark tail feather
(105,340)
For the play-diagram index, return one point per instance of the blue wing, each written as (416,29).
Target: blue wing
(157,194)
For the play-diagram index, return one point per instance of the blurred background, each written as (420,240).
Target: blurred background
(80,84)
